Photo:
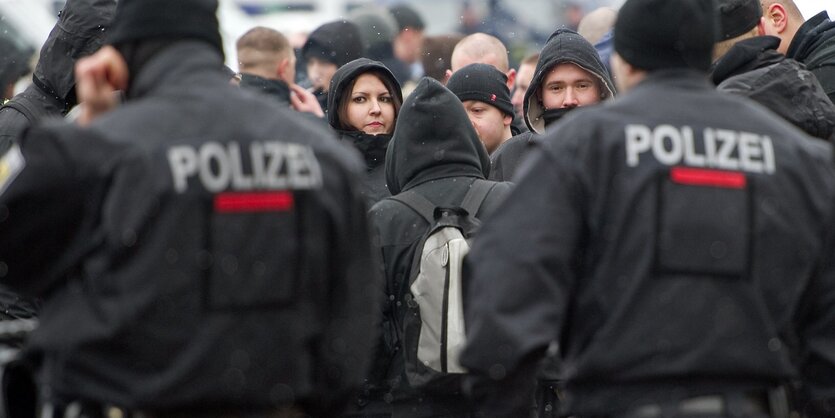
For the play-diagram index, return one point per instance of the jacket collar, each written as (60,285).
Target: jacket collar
(745,56)
(183,63)
(276,89)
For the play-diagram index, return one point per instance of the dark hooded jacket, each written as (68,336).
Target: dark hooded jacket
(564,46)
(753,68)
(814,46)
(336,42)
(79,32)
(277,90)
(436,152)
(372,147)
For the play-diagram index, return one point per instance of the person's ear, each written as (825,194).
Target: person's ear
(508,119)
(777,17)
(281,68)
(447,76)
(511,78)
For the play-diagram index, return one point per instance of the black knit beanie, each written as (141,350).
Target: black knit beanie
(138,20)
(737,17)
(659,34)
(483,83)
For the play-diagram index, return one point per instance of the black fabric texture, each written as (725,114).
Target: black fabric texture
(657,34)
(737,17)
(15,62)
(564,46)
(337,42)
(183,19)
(483,83)
(406,17)
(277,90)
(814,46)
(80,31)
(753,68)
(433,139)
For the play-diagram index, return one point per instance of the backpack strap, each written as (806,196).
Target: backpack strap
(476,195)
(417,203)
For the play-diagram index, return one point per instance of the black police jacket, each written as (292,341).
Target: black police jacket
(198,248)
(814,46)
(676,239)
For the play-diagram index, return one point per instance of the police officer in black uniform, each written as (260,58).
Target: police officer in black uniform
(676,246)
(200,252)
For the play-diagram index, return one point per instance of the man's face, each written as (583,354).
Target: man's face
(523,80)
(320,73)
(567,86)
(489,122)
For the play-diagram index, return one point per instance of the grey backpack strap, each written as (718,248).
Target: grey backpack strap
(418,203)
(476,195)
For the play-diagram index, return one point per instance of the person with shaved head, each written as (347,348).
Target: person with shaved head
(481,48)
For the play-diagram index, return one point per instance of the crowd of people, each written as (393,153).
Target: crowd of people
(637,222)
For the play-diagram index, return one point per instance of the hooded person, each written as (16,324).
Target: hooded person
(436,153)
(365,100)
(80,31)
(201,251)
(327,48)
(568,75)
(748,64)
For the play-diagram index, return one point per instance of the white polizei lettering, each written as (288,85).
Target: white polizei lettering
(314,172)
(728,143)
(638,140)
(768,155)
(750,152)
(256,158)
(215,172)
(239,179)
(673,155)
(276,153)
(691,157)
(183,162)
(710,148)
(296,166)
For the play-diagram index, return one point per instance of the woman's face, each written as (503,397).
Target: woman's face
(371,108)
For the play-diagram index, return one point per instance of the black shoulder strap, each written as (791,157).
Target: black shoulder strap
(418,203)
(476,195)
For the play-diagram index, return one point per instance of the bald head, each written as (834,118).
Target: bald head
(480,48)
(781,18)
(597,23)
(789,5)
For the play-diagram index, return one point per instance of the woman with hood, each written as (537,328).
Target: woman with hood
(364,100)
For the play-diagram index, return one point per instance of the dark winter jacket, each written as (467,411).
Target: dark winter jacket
(564,46)
(80,31)
(372,147)
(199,248)
(753,68)
(435,152)
(814,46)
(649,235)
(277,90)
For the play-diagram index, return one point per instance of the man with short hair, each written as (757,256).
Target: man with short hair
(676,245)
(811,42)
(329,47)
(268,65)
(408,41)
(483,91)
(748,64)
(568,75)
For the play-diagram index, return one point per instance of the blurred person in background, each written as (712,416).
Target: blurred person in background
(524,76)
(597,27)
(436,55)
(329,47)
(377,30)
(409,39)
(14,64)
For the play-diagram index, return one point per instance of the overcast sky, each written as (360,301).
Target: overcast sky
(810,8)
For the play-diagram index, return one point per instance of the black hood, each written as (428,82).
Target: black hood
(80,31)
(337,42)
(746,56)
(564,46)
(343,77)
(434,139)
(810,37)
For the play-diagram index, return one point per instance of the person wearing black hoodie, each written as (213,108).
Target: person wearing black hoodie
(568,75)
(811,42)
(329,47)
(201,251)
(80,31)
(748,64)
(435,152)
(366,117)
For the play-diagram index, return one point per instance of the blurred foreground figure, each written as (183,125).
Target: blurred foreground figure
(200,251)
(675,245)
